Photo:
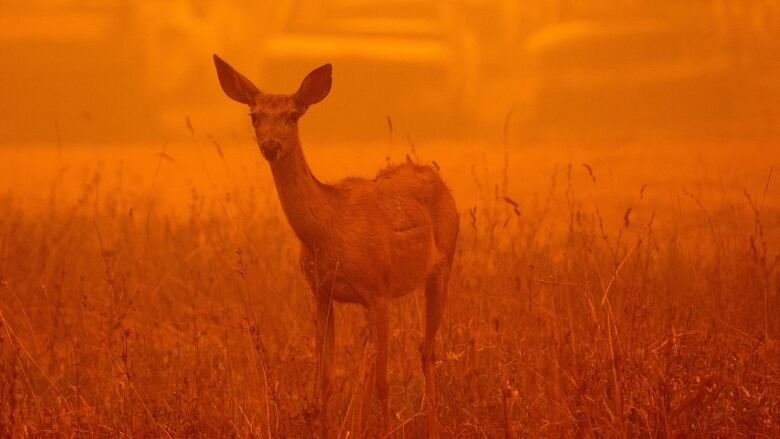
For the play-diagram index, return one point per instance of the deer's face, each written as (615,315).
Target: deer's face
(275,120)
(275,117)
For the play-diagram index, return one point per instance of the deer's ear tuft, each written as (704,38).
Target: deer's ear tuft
(234,84)
(315,86)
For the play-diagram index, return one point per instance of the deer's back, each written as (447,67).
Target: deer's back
(424,185)
(394,230)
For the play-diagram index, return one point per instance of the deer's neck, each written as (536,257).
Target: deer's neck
(308,204)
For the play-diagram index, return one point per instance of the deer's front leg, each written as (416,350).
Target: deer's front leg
(325,342)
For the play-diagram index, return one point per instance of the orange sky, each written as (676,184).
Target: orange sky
(121,71)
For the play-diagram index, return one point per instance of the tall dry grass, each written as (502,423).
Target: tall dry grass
(581,305)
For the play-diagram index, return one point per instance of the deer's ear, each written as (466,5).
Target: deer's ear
(315,86)
(234,84)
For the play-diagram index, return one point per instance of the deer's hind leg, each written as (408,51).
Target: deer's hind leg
(435,299)
(381,334)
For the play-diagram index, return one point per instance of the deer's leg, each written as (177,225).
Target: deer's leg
(435,298)
(381,332)
(325,339)
(366,374)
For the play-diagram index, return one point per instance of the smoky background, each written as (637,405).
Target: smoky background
(134,71)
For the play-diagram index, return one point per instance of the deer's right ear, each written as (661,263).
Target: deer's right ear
(234,84)
(315,86)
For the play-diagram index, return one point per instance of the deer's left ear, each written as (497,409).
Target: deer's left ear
(315,86)
(234,84)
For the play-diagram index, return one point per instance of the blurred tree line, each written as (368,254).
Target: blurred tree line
(123,69)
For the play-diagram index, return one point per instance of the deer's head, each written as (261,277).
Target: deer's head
(275,117)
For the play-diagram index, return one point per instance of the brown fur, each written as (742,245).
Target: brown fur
(362,241)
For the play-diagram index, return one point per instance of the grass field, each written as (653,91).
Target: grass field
(598,291)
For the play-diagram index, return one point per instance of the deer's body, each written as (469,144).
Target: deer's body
(378,236)
(362,241)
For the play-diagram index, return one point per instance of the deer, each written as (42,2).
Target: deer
(362,241)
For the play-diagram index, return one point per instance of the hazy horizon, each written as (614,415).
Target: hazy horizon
(120,71)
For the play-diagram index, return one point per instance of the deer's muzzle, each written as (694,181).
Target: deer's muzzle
(270,149)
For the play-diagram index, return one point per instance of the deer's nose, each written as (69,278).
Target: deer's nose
(270,149)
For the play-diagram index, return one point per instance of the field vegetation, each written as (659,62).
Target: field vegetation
(628,290)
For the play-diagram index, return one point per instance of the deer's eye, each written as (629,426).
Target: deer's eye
(293,117)
(255,119)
